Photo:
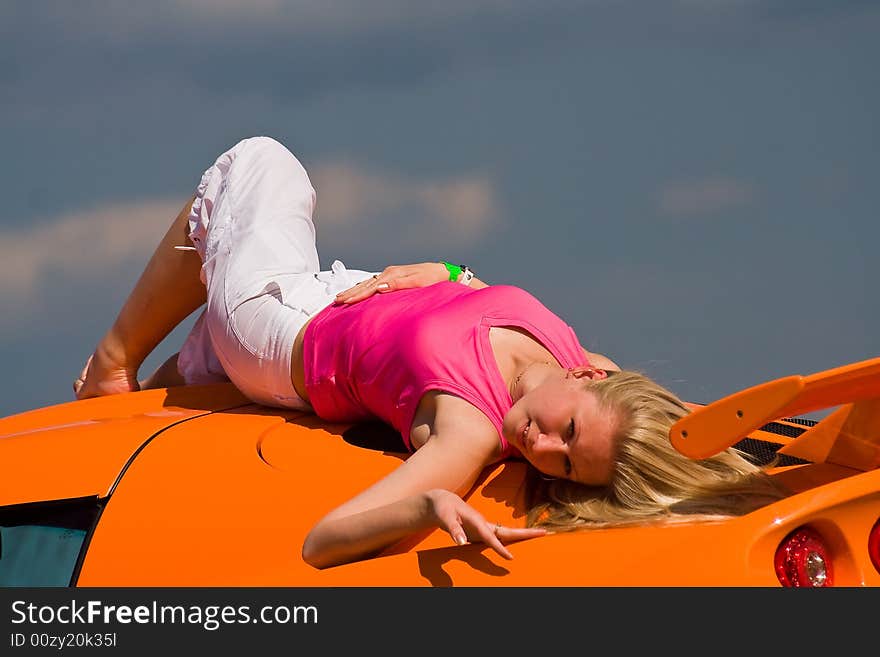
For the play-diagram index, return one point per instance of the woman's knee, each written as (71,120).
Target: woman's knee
(268,151)
(265,170)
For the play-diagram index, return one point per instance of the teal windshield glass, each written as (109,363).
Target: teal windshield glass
(38,556)
(41,543)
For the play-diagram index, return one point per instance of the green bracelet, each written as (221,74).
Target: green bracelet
(454,271)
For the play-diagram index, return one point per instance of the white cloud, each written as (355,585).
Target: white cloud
(704,196)
(80,245)
(458,209)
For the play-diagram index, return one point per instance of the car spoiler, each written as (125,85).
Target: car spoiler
(849,436)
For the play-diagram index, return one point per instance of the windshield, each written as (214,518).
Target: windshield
(40,544)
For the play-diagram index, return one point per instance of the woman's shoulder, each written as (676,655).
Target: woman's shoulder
(600,361)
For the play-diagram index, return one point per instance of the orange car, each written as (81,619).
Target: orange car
(196,486)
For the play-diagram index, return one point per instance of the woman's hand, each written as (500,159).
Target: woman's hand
(395,277)
(464,523)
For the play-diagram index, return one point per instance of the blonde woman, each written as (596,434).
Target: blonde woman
(468,373)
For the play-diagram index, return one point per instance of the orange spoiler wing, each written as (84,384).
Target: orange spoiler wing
(850,436)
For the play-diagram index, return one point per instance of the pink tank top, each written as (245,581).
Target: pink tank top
(377,358)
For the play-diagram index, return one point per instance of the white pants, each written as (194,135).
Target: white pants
(251,223)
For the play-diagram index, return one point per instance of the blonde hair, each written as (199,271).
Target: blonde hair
(651,480)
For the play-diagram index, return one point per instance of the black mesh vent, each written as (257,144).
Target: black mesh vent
(802,420)
(762,452)
(782,429)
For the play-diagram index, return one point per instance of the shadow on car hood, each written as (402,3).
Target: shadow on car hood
(80,448)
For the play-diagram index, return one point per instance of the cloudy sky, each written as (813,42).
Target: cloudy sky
(691,184)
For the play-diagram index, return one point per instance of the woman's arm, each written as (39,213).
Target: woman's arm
(422,493)
(401,277)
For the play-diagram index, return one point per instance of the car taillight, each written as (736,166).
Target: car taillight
(874,545)
(803,560)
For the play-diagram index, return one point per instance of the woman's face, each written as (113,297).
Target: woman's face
(561,429)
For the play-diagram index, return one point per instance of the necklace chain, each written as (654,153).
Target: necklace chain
(524,370)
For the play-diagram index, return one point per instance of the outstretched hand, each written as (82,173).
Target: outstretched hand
(466,524)
(395,277)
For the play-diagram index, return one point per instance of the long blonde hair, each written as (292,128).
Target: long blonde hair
(651,480)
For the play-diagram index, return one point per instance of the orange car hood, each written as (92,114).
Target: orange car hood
(86,445)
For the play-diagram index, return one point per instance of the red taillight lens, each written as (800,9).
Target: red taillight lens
(874,545)
(803,560)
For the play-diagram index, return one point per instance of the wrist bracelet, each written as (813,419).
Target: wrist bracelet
(454,271)
(459,273)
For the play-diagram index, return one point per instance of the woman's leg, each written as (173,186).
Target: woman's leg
(167,292)
(254,230)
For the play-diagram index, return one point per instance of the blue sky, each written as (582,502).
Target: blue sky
(689,183)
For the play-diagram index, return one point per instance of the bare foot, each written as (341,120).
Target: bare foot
(101,376)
